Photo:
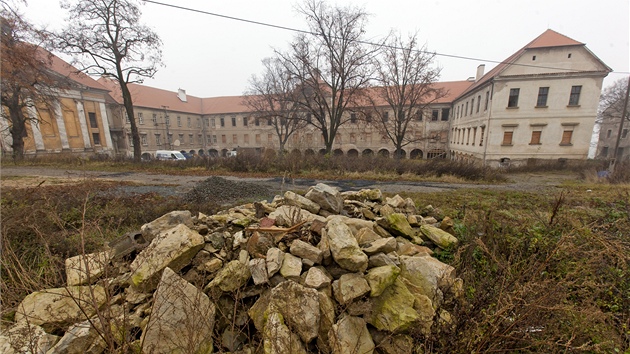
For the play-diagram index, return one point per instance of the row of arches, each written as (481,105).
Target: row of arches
(413,154)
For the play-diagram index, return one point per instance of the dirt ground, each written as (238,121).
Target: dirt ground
(28,176)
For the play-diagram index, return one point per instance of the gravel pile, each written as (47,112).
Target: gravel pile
(222,191)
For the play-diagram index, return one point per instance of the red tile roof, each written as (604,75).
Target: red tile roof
(61,67)
(151,97)
(225,104)
(549,38)
(453,90)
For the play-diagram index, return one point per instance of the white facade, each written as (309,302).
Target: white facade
(540,104)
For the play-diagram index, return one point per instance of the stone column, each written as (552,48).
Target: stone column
(37,134)
(83,123)
(61,126)
(108,136)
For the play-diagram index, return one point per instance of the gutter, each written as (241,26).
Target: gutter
(485,148)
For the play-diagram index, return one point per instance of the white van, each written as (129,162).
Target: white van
(169,155)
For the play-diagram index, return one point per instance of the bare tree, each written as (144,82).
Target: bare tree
(330,63)
(27,78)
(107,39)
(272,98)
(406,78)
(612,101)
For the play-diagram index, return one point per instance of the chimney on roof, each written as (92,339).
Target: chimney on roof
(480,71)
(181,94)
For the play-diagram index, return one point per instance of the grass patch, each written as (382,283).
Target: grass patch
(41,227)
(542,273)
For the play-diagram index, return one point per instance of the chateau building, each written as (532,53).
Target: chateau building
(538,104)
(76,123)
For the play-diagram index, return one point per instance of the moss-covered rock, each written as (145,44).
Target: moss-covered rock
(393,311)
(440,237)
(380,278)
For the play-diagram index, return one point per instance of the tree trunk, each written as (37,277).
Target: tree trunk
(17,130)
(135,136)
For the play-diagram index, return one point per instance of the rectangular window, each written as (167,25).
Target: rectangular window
(140,118)
(188,122)
(353,138)
(233,121)
(198,122)
(466,110)
(257,138)
(485,107)
(206,121)
(244,121)
(574,98)
(214,139)
(158,139)
(190,139)
(472,106)
(543,92)
(445,113)
(566,137)
(97,138)
(434,115)
(127,118)
(234,139)
(608,133)
(624,133)
(269,138)
(154,118)
(475,133)
(246,138)
(419,115)
(385,116)
(535,137)
(507,138)
(181,138)
(308,118)
(353,117)
(92,117)
(144,140)
(170,138)
(257,122)
(213,122)
(368,117)
(222,121)
(478,102)
(179,121)
(483,130)
(513,100)
(604,151)
(269,122)
(223,139)
(167,120)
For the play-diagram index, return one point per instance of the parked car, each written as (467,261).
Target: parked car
(187,155)
(169,155)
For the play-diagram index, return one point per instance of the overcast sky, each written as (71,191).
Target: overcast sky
(211,56)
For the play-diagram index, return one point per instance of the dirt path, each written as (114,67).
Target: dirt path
(23,176)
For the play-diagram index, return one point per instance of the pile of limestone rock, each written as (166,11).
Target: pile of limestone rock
(327,272)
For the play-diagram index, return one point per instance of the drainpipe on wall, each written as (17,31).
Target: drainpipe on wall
(485,148)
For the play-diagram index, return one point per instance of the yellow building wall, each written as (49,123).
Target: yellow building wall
(71,121)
